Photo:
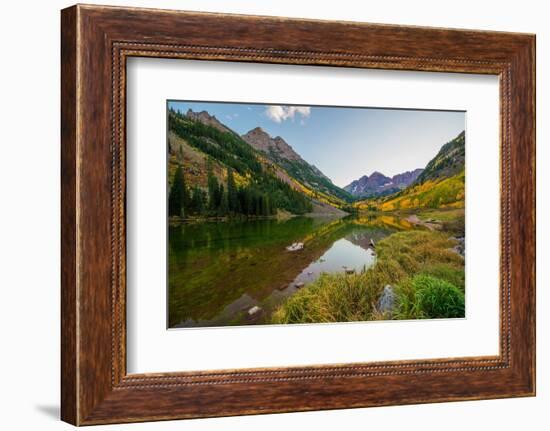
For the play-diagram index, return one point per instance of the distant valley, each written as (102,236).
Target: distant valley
(225,173)
(441,184)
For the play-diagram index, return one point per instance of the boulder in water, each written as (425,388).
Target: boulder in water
(295,246)
(254,310)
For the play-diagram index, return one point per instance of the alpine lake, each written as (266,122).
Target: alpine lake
(226,273)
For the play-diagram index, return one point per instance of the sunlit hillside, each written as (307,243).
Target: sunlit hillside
(444,193)
(205,151)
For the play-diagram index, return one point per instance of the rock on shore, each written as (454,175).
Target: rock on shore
(386,302)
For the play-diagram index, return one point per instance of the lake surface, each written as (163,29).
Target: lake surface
(219,271)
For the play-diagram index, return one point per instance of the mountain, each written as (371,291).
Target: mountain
(275,147)
(449,161)
(219,173)
(278,151)
(216,172)
(406,178)
(380,185)
(213,172)
(208,120)
(367,186)
(446,192)
(440,185)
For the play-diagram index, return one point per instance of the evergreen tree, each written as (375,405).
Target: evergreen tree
(258,204)
(214,197)
(232,198)
(268,206)
(245,197)
(264,192)
(223,209)
(178,197)
(198,201)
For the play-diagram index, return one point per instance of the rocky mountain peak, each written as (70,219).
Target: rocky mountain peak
(280,152)
(406,178)
(377,174)
(262,141)
(378,183)
(258,130)
(210,120)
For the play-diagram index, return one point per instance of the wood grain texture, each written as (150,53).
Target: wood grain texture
(96,41)
(69,366)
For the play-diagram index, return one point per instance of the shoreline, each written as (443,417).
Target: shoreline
(411,215)
(207,219)
(411,265)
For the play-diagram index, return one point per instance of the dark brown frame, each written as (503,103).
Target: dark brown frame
(95,43)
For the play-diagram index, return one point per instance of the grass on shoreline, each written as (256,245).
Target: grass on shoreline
(427,276)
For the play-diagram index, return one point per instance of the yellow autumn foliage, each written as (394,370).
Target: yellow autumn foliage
(445,193)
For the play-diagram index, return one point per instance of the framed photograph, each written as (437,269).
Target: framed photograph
(323,214)
(258,235)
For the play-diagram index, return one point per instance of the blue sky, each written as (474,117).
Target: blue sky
(345,143)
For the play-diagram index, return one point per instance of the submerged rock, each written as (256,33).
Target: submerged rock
(295,246)
(386,302)
(254,310)
(348,270)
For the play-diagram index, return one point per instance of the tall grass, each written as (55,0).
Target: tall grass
(400,257)
(427,297)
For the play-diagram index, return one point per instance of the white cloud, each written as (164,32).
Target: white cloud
(279,113)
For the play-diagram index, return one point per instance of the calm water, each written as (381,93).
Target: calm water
(218,271)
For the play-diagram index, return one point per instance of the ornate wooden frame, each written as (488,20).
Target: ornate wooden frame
(95,42)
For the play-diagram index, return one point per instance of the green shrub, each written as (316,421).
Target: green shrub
(428,297)
(452,274)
